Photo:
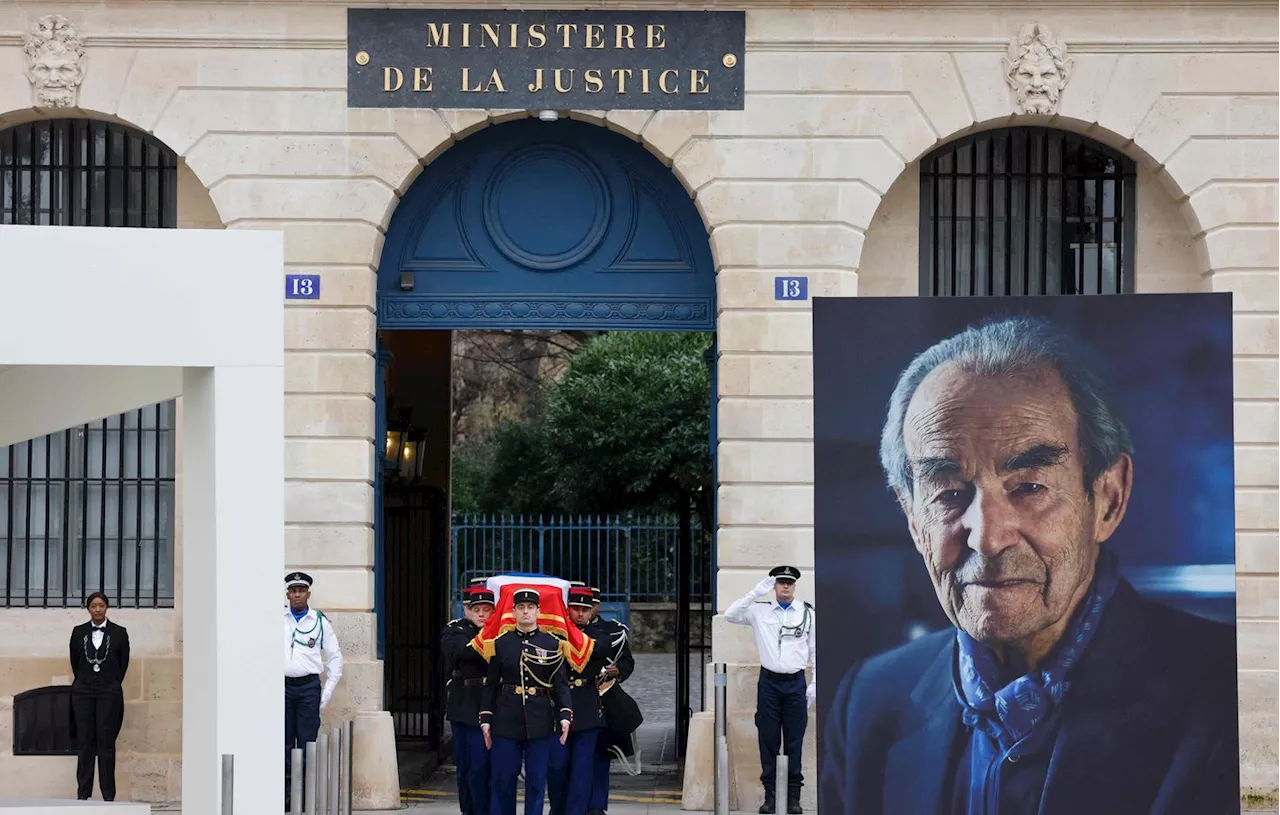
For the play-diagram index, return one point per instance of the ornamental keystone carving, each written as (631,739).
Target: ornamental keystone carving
(55,62)
(1037,69)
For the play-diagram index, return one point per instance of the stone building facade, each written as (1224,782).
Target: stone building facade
(817,175)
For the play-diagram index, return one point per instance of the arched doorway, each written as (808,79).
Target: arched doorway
(530,225)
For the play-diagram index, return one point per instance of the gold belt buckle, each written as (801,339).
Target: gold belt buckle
(577,683)
(532,691)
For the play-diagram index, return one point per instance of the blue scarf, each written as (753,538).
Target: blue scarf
(1011,713)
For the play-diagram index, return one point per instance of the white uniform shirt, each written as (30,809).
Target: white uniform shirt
(775,627)
(98,634)
(310,649)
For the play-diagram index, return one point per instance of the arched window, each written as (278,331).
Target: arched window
(90,508)
(1026,210)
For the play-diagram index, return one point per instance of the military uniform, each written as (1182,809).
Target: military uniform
(310,647)
(613,642)
(465,672)
(785,637)
(572,764)
(526,696)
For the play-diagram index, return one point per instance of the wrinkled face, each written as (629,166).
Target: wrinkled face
(526,614)
(784,591)
(1038,82)
(55,74)
(998,508)
(298,596)
(580,615)
(98,610)
(480,613)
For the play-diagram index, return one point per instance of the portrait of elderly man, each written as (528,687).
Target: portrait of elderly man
(1058,689)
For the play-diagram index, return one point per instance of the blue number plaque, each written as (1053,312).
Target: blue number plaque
(791,288)
(302,287)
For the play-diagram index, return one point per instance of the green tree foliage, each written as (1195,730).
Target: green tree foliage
(625,430)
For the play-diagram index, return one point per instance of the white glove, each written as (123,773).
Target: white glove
(811,693)
(764,587)
(324,699)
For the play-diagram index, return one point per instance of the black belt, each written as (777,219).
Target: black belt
(478,681)
(777,675)
(522,690)
(302,680)
(589,682)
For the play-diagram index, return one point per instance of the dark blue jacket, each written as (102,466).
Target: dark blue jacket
(1148,726)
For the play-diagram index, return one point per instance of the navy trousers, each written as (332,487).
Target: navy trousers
(571,771)
(599,783)
(504,770)
(472,760)
(301,722)
(781,717)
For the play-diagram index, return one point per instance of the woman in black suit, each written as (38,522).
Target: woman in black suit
(99,660)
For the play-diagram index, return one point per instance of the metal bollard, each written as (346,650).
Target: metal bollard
(322,774)
(311,777)
(295,780)
(721,756)
(228,784)
(335,771)
(346,767)
(780,780)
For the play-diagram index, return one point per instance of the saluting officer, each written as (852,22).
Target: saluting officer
(465,671)
(526,693)
(614,640)
(785,638)
(310,647)
(572,764)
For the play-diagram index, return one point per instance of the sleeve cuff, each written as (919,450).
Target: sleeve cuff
(566,715)
(485,716)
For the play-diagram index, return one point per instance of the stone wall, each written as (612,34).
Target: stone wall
(840,104)
(653,627)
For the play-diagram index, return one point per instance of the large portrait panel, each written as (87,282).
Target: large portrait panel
(1024,517)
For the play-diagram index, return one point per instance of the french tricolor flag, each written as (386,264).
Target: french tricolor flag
(553,594)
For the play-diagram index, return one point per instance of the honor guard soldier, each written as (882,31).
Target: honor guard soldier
(572,764)
(613,638)
(464,695)
(526,706)
(310,647)
(786,639)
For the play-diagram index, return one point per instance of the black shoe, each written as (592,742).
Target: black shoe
(793,801)
(770,805)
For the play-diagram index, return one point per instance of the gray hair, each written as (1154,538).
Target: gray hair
(1007,347)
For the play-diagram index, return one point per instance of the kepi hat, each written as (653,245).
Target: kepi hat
(526,596)
(297,579)
(785,573)
(582,597)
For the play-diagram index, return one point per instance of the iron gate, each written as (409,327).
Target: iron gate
(414,575)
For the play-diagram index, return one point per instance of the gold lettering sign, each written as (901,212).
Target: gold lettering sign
(442,58)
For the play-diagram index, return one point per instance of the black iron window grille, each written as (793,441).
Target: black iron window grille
(90,508)
(1026,211)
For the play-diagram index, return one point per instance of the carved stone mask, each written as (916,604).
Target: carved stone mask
(1037,69)
(55,62)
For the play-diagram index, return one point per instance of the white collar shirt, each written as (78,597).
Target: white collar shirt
(99,631)
(785,637)
(310,648)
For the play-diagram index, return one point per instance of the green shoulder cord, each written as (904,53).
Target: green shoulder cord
(796,631)
(319,624)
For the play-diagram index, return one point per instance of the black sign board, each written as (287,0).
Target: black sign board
(545,60)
